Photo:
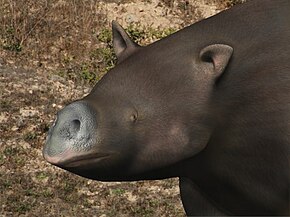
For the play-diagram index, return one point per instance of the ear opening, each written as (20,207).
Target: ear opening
(122,43)
(218,55)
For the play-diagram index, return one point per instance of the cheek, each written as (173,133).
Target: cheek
(178,134)
(163,146)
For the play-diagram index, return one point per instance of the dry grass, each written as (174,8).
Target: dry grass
(189,12)
(52,34)
(49,23)
(63,37)
(70,38)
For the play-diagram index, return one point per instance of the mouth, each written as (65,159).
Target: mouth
(84,160)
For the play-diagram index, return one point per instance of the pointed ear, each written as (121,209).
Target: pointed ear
(122,44)
(218,55)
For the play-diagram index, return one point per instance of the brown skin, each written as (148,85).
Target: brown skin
(208,104)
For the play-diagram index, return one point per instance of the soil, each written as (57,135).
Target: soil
(30,96)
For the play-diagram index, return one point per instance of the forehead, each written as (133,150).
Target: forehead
(151,72)
(152,62)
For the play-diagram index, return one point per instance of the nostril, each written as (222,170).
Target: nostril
(76,125)
(71,131)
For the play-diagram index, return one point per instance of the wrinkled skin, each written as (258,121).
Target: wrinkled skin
(209,104)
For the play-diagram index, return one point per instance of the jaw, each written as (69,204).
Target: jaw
(109,166)
(120,174)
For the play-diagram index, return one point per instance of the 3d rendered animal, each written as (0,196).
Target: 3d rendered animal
(209,104)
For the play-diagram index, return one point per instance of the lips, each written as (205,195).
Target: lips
(84,160)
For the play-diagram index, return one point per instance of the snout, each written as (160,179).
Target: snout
(72,134)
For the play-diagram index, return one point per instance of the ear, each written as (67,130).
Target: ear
(122,44)
(218,55)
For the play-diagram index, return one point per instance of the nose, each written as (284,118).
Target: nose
(74,130)
(67,124)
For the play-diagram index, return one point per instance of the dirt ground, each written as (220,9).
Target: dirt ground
(32,90)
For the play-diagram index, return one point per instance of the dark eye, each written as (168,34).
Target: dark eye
(133,118)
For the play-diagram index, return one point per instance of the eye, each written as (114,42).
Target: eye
(133,118)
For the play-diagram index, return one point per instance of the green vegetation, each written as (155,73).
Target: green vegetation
(118,191)
(105,36)
(29,136)
(68,186)
(47,193)
(42,175)
(10,41)
(5,105)
(6,184)
(23,207)
(1,160)
(19,160)
(10,151)
(19,204)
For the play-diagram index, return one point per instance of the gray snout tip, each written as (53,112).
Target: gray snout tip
(74,130)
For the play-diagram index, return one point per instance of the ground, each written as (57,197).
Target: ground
(51,53)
